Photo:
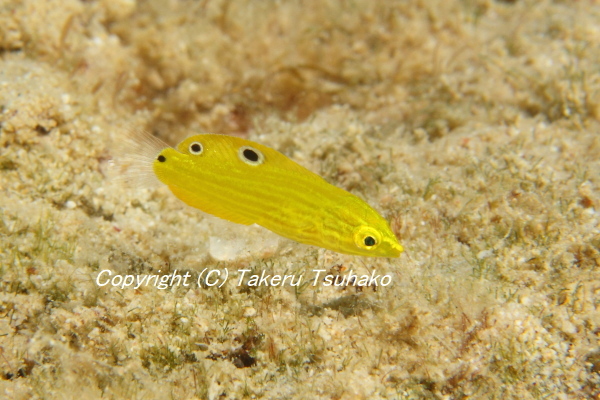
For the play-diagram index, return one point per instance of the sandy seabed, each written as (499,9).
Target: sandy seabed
(472,126)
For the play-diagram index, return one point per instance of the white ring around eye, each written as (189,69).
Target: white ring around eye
(250,155)
(196,148)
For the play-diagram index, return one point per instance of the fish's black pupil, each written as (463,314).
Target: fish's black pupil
(369,241)
(161,158)
(196,148)
(250,155)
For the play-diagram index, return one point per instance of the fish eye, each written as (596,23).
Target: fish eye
(196,148)
(250,155)
(366,237)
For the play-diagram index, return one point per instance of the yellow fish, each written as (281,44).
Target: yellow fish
(248,183)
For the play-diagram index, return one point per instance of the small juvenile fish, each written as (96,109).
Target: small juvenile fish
(248,183)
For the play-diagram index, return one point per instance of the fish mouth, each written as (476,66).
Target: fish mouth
(396,249)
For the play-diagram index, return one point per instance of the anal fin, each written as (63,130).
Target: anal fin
(209,206)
